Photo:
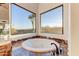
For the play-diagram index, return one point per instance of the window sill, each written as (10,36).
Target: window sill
(21,36)
(59,36)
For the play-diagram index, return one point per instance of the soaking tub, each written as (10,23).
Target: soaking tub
(39,45)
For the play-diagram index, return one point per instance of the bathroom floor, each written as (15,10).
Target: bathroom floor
(17,45)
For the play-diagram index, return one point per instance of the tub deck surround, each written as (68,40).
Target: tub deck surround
(56,39)
(25,36)
(62,43)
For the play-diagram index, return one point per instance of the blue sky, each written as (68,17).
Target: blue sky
(52,18)
(20,18)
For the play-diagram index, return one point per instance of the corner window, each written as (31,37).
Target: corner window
(23,20)
(52,21)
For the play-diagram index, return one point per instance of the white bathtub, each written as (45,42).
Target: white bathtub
(39,45)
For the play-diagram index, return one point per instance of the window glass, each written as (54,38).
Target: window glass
(23,21)
(51,21)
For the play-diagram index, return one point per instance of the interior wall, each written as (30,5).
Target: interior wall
(75,29)
(30,6)
(4,12)
(47,6)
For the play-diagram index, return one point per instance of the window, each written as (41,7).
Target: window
(51,21)
(23,20)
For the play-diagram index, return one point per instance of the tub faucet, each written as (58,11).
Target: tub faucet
(57,49)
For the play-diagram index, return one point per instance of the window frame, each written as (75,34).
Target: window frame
(62,19)
(25,10)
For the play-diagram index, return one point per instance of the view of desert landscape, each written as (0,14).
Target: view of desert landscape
(55,30)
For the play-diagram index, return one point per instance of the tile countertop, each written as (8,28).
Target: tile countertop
(4,40)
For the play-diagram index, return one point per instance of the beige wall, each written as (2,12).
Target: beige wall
(46,6)
(30,6)
(4,12)
(75,29)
